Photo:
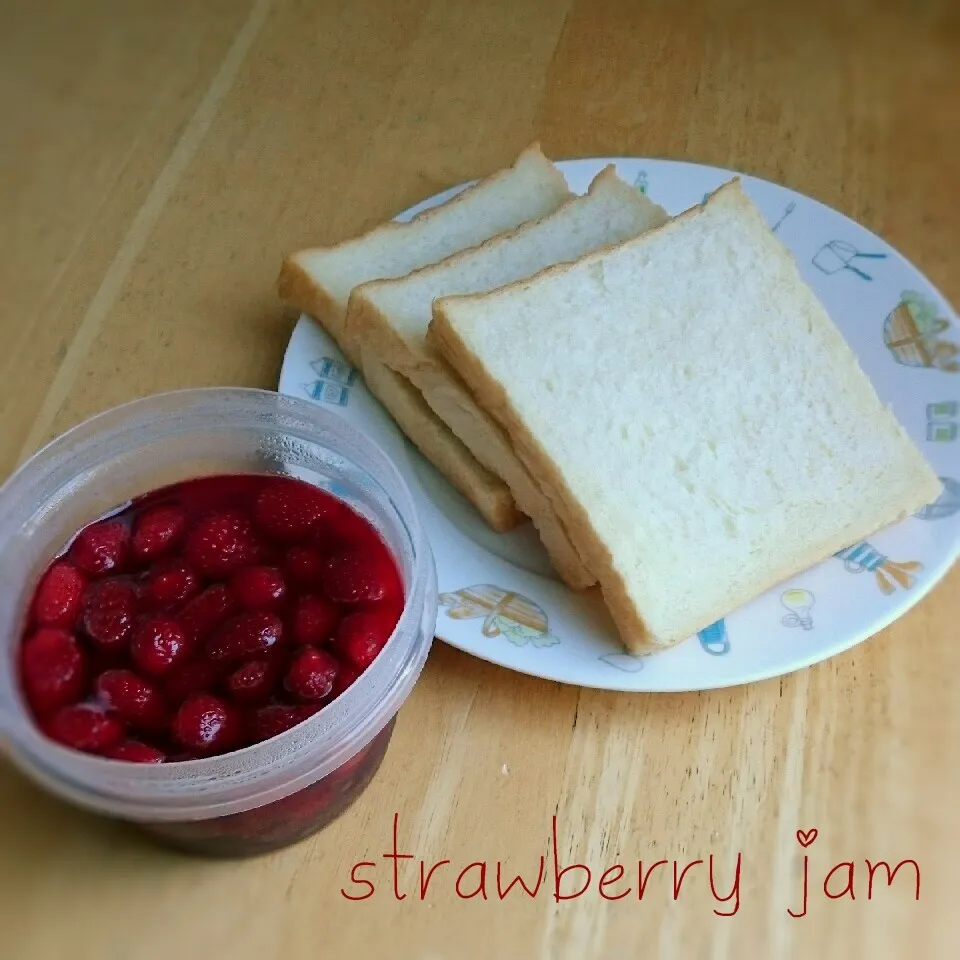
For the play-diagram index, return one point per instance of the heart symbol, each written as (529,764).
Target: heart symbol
(806,837)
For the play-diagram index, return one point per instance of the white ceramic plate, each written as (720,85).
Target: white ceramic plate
(499,598)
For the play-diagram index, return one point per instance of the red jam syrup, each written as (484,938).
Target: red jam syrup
(205,617)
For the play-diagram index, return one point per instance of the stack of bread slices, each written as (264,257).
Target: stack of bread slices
(664,399)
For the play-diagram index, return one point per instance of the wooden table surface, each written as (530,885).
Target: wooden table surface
(158,158)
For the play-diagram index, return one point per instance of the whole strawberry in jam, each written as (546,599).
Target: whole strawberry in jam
(221,543)
(311,674)
(101,548)
(208,610)
(136,701)
(259,588)
(58,601)
(85,727)
(253,682)
(110,610)
(362,635)
(314,619)
(157,531)
(245,636)
(289,511)
(158,645)
(52,666)
(169,583)
(206,725)
(271,721)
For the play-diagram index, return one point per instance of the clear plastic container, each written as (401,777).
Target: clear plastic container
(276,792)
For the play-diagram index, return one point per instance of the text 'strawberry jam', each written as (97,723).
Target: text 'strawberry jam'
(208,616)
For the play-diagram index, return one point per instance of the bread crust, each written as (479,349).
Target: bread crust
(531,153)
(488,494)
(300,292)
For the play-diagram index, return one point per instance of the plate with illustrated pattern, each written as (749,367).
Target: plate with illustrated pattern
(501,601)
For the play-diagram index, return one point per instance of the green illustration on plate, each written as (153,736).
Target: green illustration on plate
(504,613)
(641,182)
(912,332)
(942,421)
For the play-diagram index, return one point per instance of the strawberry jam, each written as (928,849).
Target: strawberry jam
(205,617)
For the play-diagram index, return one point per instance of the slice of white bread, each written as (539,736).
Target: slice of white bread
(433,439)
(704,428)
(319,280)
(392,318)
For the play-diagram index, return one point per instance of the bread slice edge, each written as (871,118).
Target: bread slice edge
(483,489)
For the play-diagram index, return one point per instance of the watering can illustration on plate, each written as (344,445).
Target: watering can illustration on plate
(863,557)
(714,639)
(504,612)
(839,255)
(912,334)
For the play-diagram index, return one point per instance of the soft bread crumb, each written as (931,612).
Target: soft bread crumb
(718,435)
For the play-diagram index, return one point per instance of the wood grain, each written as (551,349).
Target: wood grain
(158,159)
